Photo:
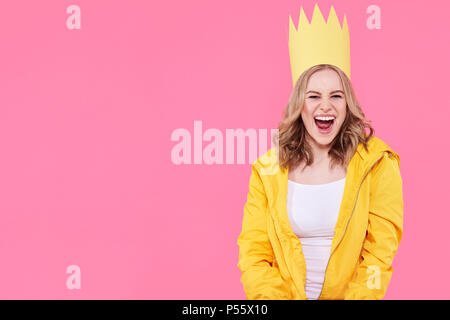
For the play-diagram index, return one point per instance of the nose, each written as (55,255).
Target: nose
(325,106)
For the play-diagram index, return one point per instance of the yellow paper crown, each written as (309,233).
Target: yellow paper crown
(318,42)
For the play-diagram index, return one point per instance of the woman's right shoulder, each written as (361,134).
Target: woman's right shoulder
(267,163)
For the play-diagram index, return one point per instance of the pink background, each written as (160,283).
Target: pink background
(86,116)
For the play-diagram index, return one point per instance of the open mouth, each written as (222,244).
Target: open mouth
(324,126)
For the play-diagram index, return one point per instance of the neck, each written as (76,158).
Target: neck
(320,152)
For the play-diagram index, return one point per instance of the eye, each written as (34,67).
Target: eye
(337,95)
(313,97)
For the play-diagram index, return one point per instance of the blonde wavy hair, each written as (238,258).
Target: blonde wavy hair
(291,143)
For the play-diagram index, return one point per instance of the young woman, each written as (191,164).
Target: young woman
(324,211)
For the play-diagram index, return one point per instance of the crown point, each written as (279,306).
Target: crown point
(302,19)
(291,23)
(344,24)
(317,16)
(332,12)
(292,29)
(333,20)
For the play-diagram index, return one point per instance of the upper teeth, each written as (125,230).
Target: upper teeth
(324,118)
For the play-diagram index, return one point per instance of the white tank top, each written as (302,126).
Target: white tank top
(313,211)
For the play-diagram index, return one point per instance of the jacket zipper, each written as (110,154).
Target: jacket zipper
(348,221)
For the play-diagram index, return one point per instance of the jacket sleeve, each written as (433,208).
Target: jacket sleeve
(383,235)
(260,279)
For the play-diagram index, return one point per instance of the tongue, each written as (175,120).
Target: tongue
(322,124)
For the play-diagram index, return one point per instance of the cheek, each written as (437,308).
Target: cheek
(307,119)
(342,117)
(309,106)
(307,112)
(342,109)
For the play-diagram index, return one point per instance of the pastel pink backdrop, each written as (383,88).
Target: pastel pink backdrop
(86,176)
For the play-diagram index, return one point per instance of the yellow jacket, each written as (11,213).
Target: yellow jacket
(367,233)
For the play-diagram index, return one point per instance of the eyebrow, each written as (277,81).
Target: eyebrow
(340,91)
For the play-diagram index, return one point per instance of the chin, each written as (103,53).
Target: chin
(324,141)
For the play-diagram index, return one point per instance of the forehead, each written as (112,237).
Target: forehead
(326,79)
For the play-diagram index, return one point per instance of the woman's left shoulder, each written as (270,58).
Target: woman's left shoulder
(377,146)
(387,161)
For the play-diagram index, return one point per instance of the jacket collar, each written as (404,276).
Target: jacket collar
(375,146)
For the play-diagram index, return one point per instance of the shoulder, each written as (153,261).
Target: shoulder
(386,162)
(268,161)
(377,147)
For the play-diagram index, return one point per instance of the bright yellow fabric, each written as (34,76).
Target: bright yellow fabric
(367,233)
